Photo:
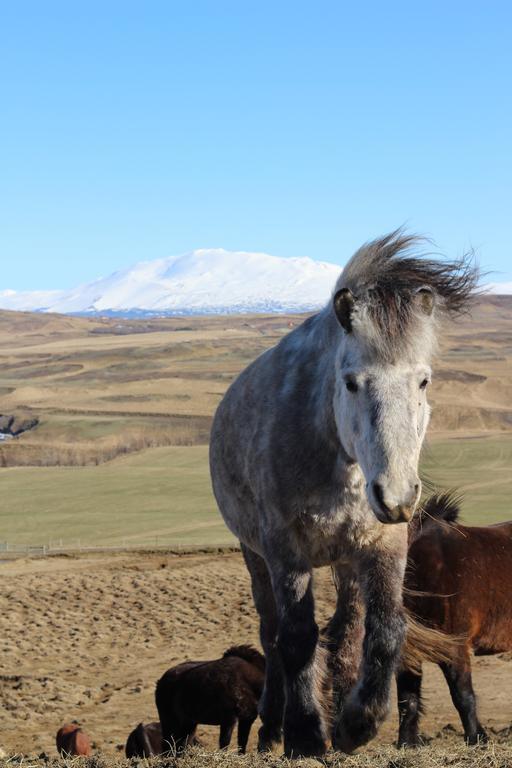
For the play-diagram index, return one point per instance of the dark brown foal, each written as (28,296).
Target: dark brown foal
(221,692)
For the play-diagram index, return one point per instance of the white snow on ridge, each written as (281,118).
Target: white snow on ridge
(499,288)
(205,281)
(210,280)
(28,301)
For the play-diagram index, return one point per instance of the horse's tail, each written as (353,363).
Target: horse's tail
(246,652)
(438,508)
(424,643)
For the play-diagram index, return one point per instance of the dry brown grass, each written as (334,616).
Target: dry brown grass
(493,755)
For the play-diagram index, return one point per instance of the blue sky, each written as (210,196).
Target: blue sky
(136,130)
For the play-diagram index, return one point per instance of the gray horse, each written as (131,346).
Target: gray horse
(314,460)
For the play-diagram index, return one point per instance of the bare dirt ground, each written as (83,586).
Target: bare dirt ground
(87,637)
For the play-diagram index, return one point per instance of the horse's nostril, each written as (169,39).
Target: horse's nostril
(378,492)
(403,513)
(416,488)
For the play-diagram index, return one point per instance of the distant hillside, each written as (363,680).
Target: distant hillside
(99,387)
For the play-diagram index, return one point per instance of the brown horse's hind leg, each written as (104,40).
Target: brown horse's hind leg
(408,685)
(177,737)
(226,732)
(244,729)
(458,677)
(271,705)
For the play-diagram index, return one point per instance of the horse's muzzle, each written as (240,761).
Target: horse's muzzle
(400,513)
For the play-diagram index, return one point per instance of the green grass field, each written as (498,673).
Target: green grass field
(162,495)
(158,496)
(481,468)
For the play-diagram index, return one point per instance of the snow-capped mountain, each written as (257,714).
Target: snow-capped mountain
(198,282)
(499,288)
(201,281)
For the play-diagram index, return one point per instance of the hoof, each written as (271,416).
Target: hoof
(268,738)
(409,743)
(304,740)
(357,727)
(305,747)
(477,738)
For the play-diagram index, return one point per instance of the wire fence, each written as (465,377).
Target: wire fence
(10,550)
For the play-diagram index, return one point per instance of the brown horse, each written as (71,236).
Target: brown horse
(144,741)
(458,580)
(219,692)
(71,740)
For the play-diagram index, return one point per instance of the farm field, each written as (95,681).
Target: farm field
(149,498)
(480,466)
(162,496)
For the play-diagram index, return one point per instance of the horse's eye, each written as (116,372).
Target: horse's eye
(423,384)
(351,385)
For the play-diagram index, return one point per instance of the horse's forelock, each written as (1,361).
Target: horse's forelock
(386,278)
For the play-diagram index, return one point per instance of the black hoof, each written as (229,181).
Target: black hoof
(268,738)
(304,738)
(356,728)
(477,738)
(410,743)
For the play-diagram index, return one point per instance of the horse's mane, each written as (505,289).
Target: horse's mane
(442,506)
(246,652)
(438,508)
(385,275)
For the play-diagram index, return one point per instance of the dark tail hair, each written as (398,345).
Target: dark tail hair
(438,508)
(246,652)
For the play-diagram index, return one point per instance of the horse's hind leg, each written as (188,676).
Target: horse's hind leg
(408,685)
(271,705)
(244,729)
(177,736)
(168,743)
(226,732)
(458,677)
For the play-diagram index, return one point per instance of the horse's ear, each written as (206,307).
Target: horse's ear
(343,306)
(425,300)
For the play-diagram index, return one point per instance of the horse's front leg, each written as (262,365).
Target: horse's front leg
(304,722)
(381,574)
(343,637)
